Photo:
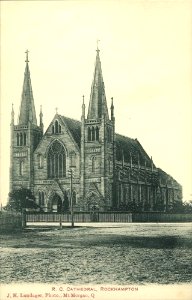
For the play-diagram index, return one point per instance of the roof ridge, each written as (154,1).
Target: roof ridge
(70,118)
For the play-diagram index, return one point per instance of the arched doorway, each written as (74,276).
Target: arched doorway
(65,202)
(93,202)
(93,206)
(56,203)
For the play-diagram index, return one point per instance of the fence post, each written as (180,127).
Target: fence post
(23,217)
(60,221)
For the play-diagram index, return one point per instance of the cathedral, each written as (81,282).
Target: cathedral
(85,163)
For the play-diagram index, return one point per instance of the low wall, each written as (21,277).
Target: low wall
(10,221)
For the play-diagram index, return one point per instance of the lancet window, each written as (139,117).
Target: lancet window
(56,161)
(93,133)
(21,139)
(93,164)
(56,127)
(21,167)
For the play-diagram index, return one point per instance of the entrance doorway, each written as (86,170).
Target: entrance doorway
(56,203)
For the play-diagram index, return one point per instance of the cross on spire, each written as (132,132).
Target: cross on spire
(27,58)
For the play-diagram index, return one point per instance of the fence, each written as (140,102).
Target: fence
(81,217)
(10,221)
(121,217)
(161,217)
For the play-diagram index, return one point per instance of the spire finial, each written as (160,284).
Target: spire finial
(56,109)
(27,58)
(98,46)
(83,99)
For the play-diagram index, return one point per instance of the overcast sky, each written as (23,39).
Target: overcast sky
(146,61)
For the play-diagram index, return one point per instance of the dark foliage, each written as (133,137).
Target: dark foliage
(21,198)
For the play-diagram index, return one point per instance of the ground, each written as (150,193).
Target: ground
(99,253)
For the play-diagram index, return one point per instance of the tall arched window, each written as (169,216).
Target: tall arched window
(72,159)
(93,164)
(40,161)
(21,139)
(93,134)
(21,164)
(17,139)
(24,139)
(56,161)
(89,134)
(97,133)
(56,127)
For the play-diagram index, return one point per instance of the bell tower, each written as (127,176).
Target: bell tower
(25,137)
(97,145)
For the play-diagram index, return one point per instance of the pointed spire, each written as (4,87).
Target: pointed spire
(41,118)
(112,109)
(83,107)
(12,115)
(98,103)
(27,108)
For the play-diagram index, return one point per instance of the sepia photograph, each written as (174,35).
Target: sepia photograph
(96,150)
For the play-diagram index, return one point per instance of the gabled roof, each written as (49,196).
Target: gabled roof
(75,128)
(131,148)
(125,146)
(167,179)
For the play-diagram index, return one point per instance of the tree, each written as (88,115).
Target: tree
(21,198)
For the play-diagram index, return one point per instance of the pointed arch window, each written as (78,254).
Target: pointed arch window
(24,139)
(93,133)
(97,133)
(21,167)
(17,139)
(21,139)
(72,159)
(56,127)
(40,161)
(89,134)
(93,164)
(56,161)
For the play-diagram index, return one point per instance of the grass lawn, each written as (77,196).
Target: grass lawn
(99,253)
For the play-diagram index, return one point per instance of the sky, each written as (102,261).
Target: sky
(145,50)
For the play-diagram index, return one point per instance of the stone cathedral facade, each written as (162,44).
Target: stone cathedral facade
(109,171)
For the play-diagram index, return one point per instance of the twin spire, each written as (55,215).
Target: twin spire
(97,104)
